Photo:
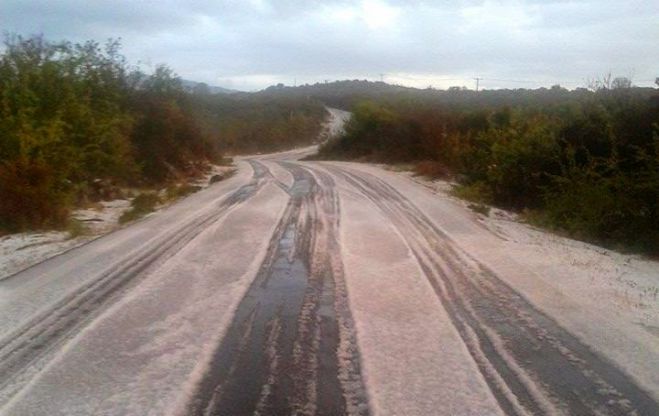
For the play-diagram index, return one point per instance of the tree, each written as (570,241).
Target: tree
(620,83)
(164,82)
(602,83)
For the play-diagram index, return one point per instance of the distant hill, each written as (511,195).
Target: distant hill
(341,94)
(351,86)
(191,86)
(345,94)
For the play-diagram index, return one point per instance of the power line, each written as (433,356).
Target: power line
(506,80)
(478,80)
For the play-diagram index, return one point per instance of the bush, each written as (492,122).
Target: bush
(140,206)
(180,191)
(431,169)
(480,209)
(584,163)
(615,209)
(524,157)
(475,192)
(32,196)
(375,132)
(76,228)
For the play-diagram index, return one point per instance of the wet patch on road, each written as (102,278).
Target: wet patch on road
(280,355)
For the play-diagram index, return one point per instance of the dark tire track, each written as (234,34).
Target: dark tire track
(336,333)
(33,341)
(279,356)
(532,364)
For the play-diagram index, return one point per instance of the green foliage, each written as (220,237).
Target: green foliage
(478,192)
(374,132)
(166,139)
(59,103)
(143,204)
(75,115)
(523,155)
(62,124)
(605,203)
(253,123)
(175,192)
(586,163)
(76,228)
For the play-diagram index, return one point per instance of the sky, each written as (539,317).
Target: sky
(251,44)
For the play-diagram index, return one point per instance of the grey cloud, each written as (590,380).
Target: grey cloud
(250,43)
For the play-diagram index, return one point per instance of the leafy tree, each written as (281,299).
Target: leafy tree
(584,162)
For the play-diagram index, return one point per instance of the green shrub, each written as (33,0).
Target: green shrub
(143,204)
(615,209)
(179,191)
(480,209)
(583,163)
(76,228)
(524,157)
(478,192)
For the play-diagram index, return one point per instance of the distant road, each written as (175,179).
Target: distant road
(310,288)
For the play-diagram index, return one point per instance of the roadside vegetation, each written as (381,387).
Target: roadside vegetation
(141,205)
(585,162)
(77,122)
(259,122)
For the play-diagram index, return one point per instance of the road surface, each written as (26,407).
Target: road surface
(308,288)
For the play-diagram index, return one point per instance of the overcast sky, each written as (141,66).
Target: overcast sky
(250,44)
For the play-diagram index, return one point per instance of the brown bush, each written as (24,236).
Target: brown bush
(431,169)
(31,197)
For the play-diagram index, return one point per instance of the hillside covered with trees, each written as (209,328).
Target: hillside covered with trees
(76,116)
(258,122)
(585,162)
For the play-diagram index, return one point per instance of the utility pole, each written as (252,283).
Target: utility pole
(382,77)
(478,80)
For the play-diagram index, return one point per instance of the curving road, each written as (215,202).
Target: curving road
(302,288)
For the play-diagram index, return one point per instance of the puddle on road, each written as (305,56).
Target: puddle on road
(279,354)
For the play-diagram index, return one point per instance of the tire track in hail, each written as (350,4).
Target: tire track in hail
(25,350)
(532,365)
(279,355)
(336,334)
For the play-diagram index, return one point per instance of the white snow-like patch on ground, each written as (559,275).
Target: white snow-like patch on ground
(627,284)
(102,218)
(220,170)
(19,251)
(22,250)
(608,300)
(146,353)
(413,360)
